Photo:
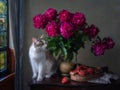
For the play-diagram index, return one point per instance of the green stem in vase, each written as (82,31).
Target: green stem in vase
(76,59)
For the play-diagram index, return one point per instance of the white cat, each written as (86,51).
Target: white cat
(43,63)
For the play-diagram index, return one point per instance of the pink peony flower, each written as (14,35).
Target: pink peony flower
(70,29)
(39,21)
(66,29)
(52,29)
(78,19)
(91,31)
(109,42)
(98,48)
(51,14)
(65,15)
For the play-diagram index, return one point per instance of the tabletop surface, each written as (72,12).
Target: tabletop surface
(56,81)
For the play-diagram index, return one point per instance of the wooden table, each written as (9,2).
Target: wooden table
(54,83)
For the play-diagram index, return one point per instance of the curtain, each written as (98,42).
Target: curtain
(16,19)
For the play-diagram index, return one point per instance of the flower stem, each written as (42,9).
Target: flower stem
(76,59)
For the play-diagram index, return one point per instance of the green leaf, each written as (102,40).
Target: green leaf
(56,53)
(70,56)
(63,49)
(84,38)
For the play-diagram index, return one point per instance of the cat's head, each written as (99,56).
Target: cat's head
(39,43)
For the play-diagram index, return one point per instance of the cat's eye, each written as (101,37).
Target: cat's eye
(41,43)
(38,44)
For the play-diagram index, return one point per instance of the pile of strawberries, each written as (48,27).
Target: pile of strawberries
(84,70)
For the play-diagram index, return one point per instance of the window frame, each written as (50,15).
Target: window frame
(6,48)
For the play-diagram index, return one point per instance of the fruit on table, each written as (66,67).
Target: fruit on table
(84,70)
(65,80)
(90,70)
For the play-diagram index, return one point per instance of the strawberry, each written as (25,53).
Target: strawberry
(65,80)
(76,71)
(73,72)
(90,71)
(84,67)
(78,68)
(82,72)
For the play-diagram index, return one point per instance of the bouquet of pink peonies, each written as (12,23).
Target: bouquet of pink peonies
(67,33)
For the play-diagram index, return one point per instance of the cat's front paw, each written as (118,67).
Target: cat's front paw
(39,79)
(34,76)
(47,76)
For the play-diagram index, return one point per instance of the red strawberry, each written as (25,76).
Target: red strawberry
(65,80)
(82,72)
(74,72)
(90,71)
(78,68)
(84,67)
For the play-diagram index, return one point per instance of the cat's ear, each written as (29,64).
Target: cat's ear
(42,36)
(33,40)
